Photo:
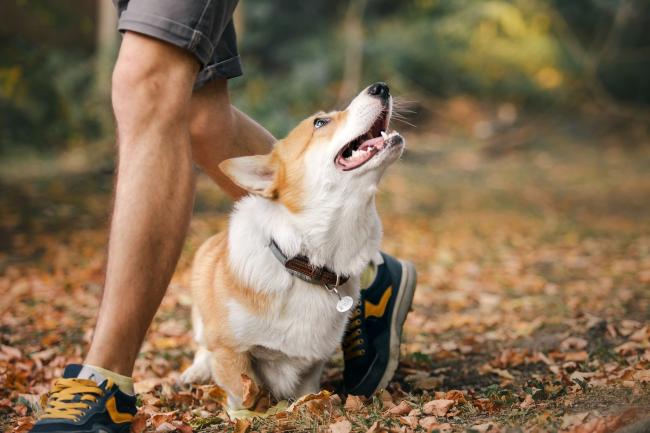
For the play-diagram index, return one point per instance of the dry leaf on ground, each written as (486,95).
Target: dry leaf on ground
(437,407)
(343,426)
(354,403)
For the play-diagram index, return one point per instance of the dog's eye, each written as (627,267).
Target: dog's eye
(320,121)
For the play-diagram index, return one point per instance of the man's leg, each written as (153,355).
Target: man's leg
(152,88)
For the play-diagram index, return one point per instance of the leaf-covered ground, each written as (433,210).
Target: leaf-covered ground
(532,311)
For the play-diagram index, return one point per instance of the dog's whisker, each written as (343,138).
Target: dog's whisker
(401,116)
(405,122)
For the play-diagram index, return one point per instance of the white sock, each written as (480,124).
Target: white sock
(98,374)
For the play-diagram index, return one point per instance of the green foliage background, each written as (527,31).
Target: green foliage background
(533,53)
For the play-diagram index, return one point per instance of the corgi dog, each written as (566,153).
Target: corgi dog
(272,294)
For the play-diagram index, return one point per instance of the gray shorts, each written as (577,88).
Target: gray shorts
(202,27)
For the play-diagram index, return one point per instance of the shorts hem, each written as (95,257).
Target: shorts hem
(226,69)
(170,31)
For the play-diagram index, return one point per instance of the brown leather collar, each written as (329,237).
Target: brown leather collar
(300,267)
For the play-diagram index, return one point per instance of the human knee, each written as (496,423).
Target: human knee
(142,91)
(151,86)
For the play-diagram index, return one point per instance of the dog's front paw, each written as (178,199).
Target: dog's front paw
(196,374)
(199,371)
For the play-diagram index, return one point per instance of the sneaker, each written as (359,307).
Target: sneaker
(371,344)
(85,402)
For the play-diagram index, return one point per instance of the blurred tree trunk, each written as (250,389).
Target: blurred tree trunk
(106,50)
(353,54)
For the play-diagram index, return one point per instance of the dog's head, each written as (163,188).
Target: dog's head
(332,155)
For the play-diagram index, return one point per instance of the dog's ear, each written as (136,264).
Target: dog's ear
(256,174)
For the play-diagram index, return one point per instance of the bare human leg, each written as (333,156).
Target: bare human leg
(161,127)
(152,88)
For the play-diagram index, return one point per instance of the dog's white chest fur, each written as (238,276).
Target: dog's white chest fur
(300,326)
(301,321)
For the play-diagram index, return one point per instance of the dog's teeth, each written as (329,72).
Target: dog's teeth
(384,135)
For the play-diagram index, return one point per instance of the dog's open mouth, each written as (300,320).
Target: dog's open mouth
(363,148)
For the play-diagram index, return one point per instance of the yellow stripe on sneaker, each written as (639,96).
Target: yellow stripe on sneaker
(378,310)
(117,416)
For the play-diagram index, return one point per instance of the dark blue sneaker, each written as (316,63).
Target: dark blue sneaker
(81,405)
(371,344)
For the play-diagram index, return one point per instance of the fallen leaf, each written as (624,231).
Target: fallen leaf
(402,408)
(573,343)
(582,375)
(182,427)
(386,399)
(242,425)
(430,423)
(165,427)
(23,425)
(641,335)
(251,392)
(437,407)
(10,352)
(163,343)
(577,356)
(146,385)
(335,400)
(485,404)
(505,374)
(410,421)
(139,423)
(341,427)
(642,376)
(354,403)
(44,355)
(50,339)
(322,395)
(510,358)
(16,291)
(161,418)
(629,348)
(215,393)
(528,402)
(456,395)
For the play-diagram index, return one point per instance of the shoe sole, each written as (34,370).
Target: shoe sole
(402,308)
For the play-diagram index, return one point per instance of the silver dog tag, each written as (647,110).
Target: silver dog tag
(344,304)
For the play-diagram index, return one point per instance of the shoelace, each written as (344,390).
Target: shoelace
(353,338)
(71,397)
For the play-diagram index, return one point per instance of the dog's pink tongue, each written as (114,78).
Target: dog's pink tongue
(376,142)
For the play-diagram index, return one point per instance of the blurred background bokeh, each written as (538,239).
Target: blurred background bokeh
(477,81)
(565,57)
(523,197)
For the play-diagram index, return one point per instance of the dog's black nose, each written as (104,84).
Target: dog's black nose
(379,89)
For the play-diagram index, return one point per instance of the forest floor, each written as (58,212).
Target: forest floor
(532,310)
